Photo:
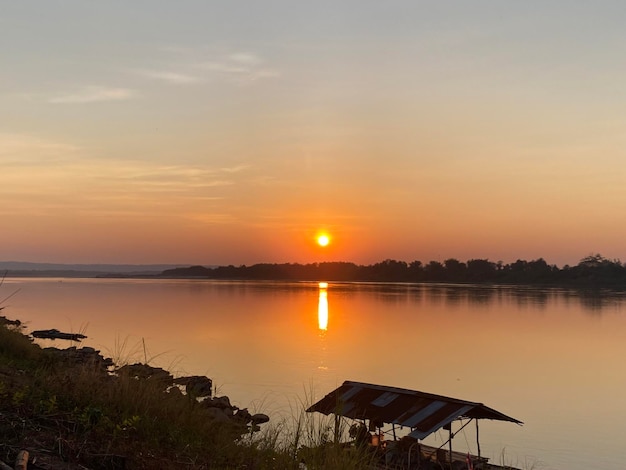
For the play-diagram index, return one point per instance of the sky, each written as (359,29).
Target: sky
(233,132)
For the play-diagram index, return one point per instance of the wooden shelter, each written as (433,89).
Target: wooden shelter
(423,413)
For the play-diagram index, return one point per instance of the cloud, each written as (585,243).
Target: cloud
(27,150)
(234,169)
(171,77)
(193,65)
(211,218)
(93,94)
(245,58)
(182,180)
(240,67)
(50,178)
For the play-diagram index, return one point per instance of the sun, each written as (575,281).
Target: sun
(323,239)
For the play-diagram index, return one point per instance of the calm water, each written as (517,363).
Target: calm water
(551,358)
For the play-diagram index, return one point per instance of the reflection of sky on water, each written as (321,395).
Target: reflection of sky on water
(593,301)
(535,354)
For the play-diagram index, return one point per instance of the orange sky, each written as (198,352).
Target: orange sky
(218,134)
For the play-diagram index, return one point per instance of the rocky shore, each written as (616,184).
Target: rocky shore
(72,408)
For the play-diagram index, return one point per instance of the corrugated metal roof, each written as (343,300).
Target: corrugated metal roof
(424,413)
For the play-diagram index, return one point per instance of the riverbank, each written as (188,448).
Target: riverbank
(73,408)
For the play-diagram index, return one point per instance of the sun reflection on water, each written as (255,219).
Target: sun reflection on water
(322,323)
(322,307)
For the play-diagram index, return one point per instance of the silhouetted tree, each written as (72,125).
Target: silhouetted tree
(455,270)
(434,271)
(416,271)
(391,270)
(481,270)
(595,270)
(592,271)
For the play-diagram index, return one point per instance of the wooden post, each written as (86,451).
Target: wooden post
(450,447)
(477,440)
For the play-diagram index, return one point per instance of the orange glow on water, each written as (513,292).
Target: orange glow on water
(322,307)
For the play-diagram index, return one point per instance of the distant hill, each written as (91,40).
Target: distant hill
(191,271)
(21,268)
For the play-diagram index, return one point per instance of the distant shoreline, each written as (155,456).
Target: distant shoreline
(591,272)
(25,267)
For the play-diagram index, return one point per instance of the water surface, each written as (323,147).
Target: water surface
(551,358)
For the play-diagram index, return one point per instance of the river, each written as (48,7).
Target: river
(552,358)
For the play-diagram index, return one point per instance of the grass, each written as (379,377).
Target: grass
(84,414)
(528,463)
(79,413)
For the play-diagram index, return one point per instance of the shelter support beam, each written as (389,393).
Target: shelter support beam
(450,445)
(477,439)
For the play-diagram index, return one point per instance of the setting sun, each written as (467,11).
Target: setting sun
(323,240)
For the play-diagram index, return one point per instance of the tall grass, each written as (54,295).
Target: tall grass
(84,414)
(15,347)
(315,440)
(528,463)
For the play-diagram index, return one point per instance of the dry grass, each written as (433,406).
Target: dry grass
(83,414)
(79,413)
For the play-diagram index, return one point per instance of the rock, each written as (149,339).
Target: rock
(5,321)
(197,386)
(243,415)
(146,372)
(217,402)
(84,356)
(260,418)
(56,334)
(218,415)
(174,391)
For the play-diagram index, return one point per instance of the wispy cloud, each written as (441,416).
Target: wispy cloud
(245,58)
(241,67)
(173,177)
(211,218)
(26,150)
(199,65)
(235,169)
(94,188)
(176,78)
(50,178)
(93,94)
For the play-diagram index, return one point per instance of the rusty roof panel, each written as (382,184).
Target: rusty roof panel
(423,412)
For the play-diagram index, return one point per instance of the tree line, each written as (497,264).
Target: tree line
(593,270)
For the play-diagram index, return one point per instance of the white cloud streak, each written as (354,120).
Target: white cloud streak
(235,169)
(27,150)
(93,94)
(241,67)
(192,67)
(175,78)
